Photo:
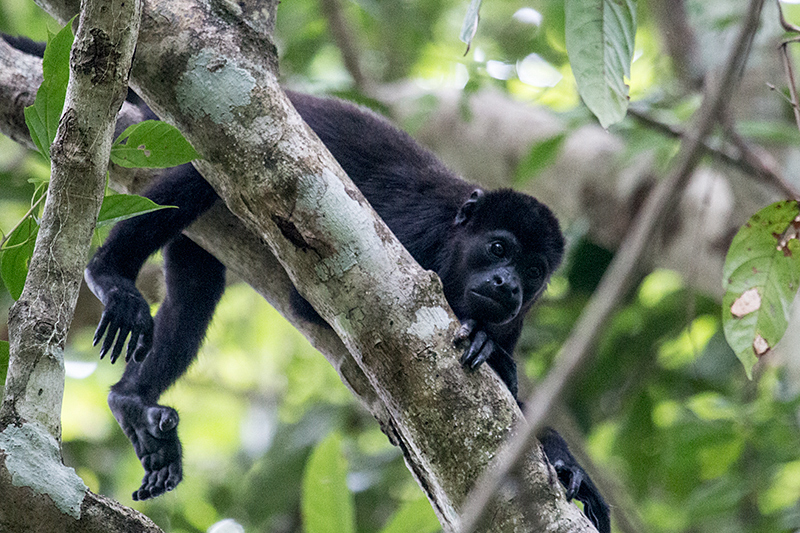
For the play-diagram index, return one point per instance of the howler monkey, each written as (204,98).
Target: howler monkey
(493,250)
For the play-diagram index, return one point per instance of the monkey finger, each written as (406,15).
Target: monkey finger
(108,342)
(465,331)
(101,328)
(141,343)
(159,485)
(161,420)
(572,478)
(144,491)
(120,344)
(484,354)
(471,357)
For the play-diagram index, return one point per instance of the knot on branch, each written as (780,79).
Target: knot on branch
(290,232)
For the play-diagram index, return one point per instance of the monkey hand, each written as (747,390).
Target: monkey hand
(126,312)
(481,346)
(152,429)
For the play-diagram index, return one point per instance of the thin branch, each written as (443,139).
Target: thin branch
(740,154)
(345,40)
(4,240)
(680,40)
(785,24)
(760,162)
(79,159)
(618,278)
(787,65)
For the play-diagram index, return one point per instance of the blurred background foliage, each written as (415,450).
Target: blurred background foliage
(663,414)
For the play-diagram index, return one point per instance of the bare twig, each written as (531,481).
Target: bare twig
(787,63)
(680,40)
(33,208)
(759,162)
(621,272)
(785,24)
(344,37)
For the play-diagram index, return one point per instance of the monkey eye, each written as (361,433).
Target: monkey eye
(497,249)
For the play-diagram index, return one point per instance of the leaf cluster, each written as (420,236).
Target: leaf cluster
(149,144)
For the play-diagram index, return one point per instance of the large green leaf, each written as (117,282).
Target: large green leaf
(327,503)
(16,256)
(600,38)
(118,207)
(761,278)
(43,116)
(152,144)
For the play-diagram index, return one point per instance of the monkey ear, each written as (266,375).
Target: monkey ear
(464,214)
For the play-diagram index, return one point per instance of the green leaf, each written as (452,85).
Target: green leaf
(541,155)
(415,516)
(16,256)
(5,354)
(122,206)
(152,144)
(600,38)
(327,505)
(470,26)
(761,278)
(40,181)
(43,116)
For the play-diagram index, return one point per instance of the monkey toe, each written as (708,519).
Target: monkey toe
(572,477)
(161,460)
(161,420)
(157,482)
(158,445)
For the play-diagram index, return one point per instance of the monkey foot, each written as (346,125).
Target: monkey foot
(152,429)
(575,480)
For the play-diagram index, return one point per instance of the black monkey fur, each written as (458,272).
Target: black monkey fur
(494,252)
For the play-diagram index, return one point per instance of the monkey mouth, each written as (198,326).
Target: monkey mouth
(493,310)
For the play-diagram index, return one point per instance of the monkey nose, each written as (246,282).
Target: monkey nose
(500,281)
(503,285)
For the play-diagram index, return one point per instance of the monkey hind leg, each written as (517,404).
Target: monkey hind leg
(195,281)
(575,480)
